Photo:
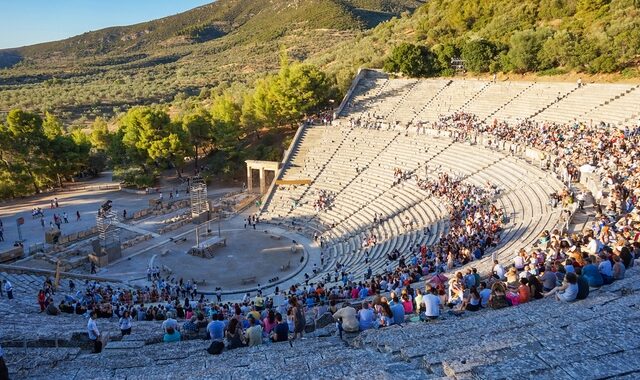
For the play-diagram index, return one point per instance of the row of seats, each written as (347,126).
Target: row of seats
(408,100)
(360,174)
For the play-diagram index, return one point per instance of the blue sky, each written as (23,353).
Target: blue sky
(27,22)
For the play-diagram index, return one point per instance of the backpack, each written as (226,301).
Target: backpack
(215,348)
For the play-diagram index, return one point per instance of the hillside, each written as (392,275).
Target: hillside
(227,42)
(544,37)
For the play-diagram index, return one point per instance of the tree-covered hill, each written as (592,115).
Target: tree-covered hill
(251,19)
(521,36)
(222,44)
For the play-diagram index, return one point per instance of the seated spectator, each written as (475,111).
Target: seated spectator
(407,304)
(253,335)
(568,291)
(606,270)
(618,268)
(52,309)
(190,326)
(418,301)
(536,290)
(170,323)
(583,285)
(398,311)
(498,299)
(548,278)
(365,317)
(346,319)
(384,313)
(280,332)
(591,273)
(524,293)
(432,303)
(171,335)
(269,322)
(216,328)
(485,294)
(473,302)
(234,336)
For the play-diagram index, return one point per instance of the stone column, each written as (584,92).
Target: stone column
(249,178)
(263,185)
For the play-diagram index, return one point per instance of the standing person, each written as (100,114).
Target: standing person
(124,214)
(93,268)
(42,222)
(77,216)
(125,323)
(9,289)
(65,216)
(1,233)
(55,200)
(42,300)
(299,320)
(94,333)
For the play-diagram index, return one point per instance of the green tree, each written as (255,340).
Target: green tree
(410,60)
(22,142)
(141,128)
(225,119)
(478,55)
(197,124)
(52,127)
(100,137)
(524,47)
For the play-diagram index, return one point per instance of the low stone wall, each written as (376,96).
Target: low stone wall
(174,226)
(65,239)
(11,254)
(136,240)
(46,272)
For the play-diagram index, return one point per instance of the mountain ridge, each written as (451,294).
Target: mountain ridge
(209,22)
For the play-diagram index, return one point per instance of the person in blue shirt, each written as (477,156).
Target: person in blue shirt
(216,328)
(364,292)
(171,336)
(591,273)
(365,317)
(397,309)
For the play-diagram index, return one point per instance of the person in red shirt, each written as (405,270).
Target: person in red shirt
(41,300)
(524,293)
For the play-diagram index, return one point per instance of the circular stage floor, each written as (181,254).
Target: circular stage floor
(250,257)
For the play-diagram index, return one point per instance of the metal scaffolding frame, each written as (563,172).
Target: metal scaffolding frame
(198,196)
(108,232)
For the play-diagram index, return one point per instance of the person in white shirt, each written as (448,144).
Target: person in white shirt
(170,323)
(498,270)
(94,333)
(125,323)
(8,288)
(432,304)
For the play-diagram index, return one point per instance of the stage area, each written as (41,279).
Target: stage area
(250,257)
